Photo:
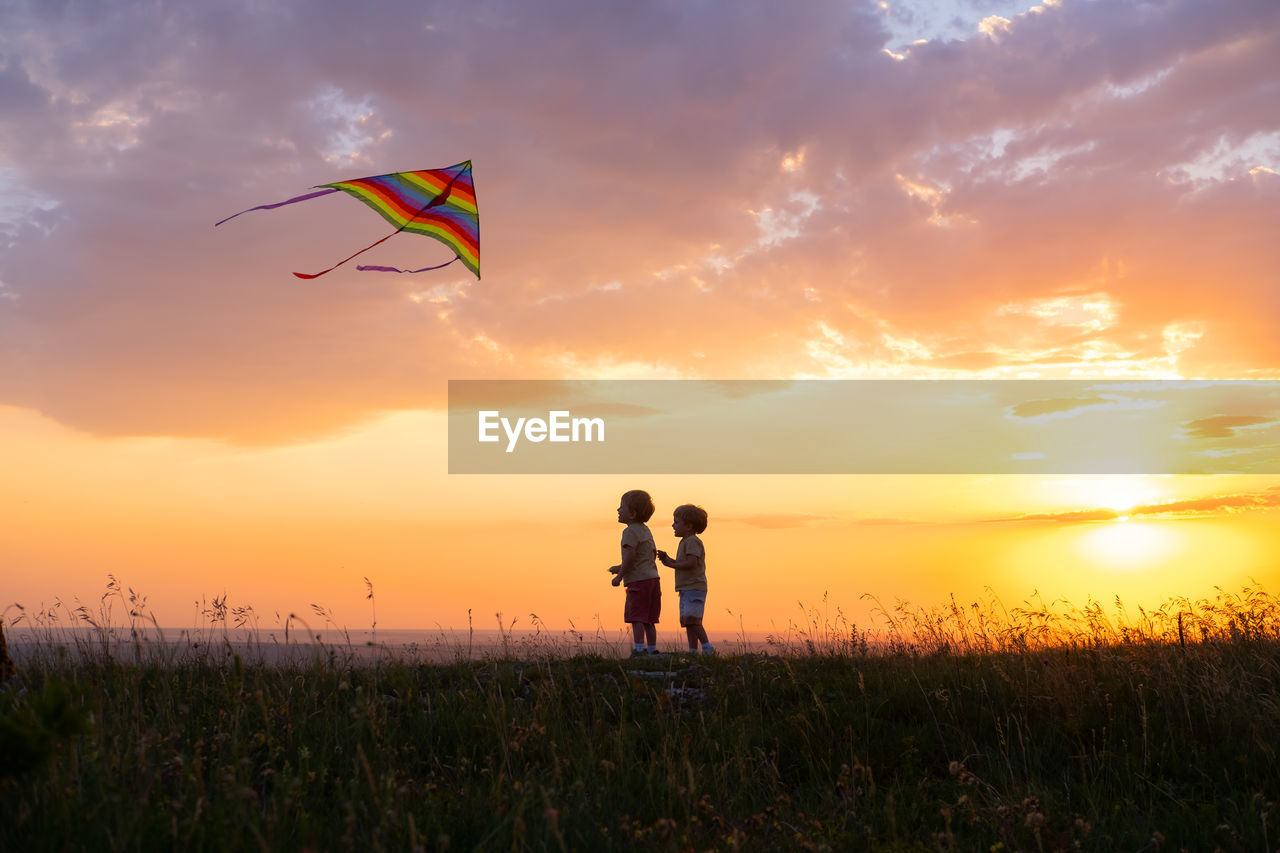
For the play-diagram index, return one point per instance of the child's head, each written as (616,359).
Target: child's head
(640,505)
(694,516)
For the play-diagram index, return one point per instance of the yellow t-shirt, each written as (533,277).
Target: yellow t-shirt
(645,566)
(695,578)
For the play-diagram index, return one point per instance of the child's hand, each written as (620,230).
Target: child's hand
(617,579)
(662,555)
(614,569)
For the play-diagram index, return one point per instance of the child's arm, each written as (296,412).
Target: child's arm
(628,561)
(688,561)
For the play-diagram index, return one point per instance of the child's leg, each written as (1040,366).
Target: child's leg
(637,633)
(691,633)
(697,634)
(651,634)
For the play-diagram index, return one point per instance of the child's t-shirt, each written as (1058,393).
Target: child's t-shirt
(695,578)
(645,566)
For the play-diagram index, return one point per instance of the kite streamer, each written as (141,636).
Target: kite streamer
(437,203)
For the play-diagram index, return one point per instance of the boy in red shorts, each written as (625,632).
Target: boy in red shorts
(638,572)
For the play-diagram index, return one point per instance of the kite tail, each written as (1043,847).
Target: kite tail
(349,257)
(277,204)
(371,267)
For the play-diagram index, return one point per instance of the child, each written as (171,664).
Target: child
(690,564)
(639,573)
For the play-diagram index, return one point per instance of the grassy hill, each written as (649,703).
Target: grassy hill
(967,735)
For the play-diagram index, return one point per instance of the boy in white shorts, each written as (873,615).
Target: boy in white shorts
(690,563)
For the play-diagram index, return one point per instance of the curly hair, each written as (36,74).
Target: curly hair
(639,503)
(694,516)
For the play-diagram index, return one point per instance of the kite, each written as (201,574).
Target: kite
(438,203)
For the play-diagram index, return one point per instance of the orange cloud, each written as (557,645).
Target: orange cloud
(1207,506)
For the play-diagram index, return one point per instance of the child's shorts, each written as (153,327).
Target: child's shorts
(692,603)
(644,602)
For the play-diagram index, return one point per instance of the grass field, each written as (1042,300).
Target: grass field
(960,728)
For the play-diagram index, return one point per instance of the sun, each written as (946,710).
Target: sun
(1130,546)
(1125,544)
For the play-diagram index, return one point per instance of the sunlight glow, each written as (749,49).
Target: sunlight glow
(1119,493)
(1124,545)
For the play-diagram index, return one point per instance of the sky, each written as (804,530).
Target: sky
(976,189)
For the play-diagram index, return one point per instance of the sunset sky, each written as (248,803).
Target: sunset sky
(971,189)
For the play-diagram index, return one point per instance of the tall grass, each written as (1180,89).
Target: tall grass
(989,626)
(956,728)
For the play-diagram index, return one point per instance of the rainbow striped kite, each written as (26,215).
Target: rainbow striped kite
(439,203)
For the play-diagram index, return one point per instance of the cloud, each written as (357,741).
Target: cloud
(1207,506)
(17,92)
(1216,504)
(1072,517)
(1040,408)
(1223,426)
(776,521)
(884,522)
(624,168)
(1056,409)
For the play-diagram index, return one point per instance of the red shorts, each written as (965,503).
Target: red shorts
(644,602)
